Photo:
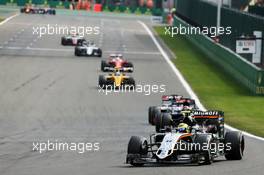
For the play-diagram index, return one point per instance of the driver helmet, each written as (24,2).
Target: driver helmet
(183,128)
(118,73)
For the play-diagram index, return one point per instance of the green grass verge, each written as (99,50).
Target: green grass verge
(216,89)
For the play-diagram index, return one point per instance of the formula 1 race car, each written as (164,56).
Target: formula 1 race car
(116,61)
(174,106)
(185,144)
(167,100)
(29,9)
(116,80)
(72,40)
(88,49)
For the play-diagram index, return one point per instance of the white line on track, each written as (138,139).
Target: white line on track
(14,48)
(9,18)
(184,82)
(71,50)
(135,52)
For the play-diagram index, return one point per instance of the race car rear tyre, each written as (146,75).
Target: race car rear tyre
(156,112)
(204,141)
(151,114)
(158,123)
(129,65)
(137,145)
(101,81)
(103,65)
(234,145)
(63,41)
(99,53)
(131,82)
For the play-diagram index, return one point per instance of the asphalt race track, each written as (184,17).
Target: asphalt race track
(47,93)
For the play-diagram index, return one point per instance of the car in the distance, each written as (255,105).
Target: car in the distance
(88,49)
(116,80)
(116,61)
(73,39)
(30,9)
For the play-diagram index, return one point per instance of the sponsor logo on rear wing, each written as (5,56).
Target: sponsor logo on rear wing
(207,114)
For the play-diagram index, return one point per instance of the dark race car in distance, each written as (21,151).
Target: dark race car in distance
(116,61)
(29,9)
(171,105)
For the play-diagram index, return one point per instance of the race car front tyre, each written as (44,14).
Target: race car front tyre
(77,52)
(137,145)
(131,82)
(80,52)
(234,145)
(205,157)
(129,65)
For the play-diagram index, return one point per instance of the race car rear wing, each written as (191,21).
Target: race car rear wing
(207,114)
(186,100)
(122,69)
(170,97)
(212,117)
